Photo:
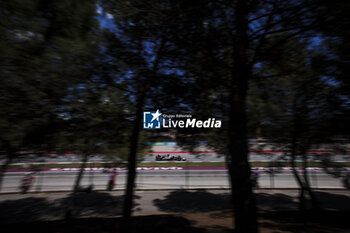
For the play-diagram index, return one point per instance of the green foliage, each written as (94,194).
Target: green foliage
(46,48)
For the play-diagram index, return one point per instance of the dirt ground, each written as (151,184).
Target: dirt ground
(178,211)
(277,222)
(208,222)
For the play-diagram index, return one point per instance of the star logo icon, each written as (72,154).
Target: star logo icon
(151,120)
(156,115)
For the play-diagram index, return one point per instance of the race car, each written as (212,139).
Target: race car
(169,158)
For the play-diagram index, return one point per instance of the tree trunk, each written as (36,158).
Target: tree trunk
(142,87)
(244,208)
(303,182)
(128,202)
(295,172)
(71,201)
(296,132)
(314,200)
(299,181)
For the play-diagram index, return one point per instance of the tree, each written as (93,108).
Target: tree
(96,123)
(137,48)
(234,36)
(301,108)
(247,35)
(45,50)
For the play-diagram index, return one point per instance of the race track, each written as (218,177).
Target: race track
(163,178)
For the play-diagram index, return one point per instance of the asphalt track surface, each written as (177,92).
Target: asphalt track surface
(264,156)
(198,156)
(162,178)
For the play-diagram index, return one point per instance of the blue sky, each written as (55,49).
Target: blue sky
(105,19)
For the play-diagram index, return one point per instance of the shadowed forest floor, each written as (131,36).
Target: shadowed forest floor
(209,222)
(172,211)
